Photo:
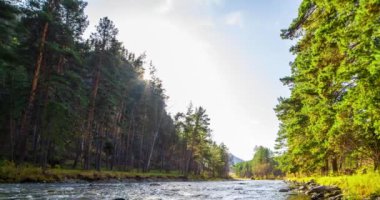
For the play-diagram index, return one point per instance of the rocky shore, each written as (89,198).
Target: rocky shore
(314,191)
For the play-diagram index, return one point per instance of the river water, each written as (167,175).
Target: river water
(263,190)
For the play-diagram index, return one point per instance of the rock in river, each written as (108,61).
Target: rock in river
(284,190)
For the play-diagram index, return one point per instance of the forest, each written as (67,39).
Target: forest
(85,103)
(262,166)
(330,122)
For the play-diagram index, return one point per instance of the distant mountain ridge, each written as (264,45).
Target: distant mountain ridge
(234,160)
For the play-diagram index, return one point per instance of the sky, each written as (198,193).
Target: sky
(224,55)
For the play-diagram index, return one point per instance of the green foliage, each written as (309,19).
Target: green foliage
(262,162)
(331,117)
(243,169)
(200,154)
(262,166)
(66,101)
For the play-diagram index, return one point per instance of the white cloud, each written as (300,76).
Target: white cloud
(234,19)
(165,7)
(212,2)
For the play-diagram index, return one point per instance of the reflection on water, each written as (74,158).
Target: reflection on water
(151,191)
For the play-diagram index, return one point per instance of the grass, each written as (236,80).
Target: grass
(236,177)
(358,186)
(10,173)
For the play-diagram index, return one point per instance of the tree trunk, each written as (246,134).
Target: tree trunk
(154,141)
(97,142)
(334,165)
(12,134)
(29,108)
(36,141)
(90,118)
(60,64)
(129,140)
(376,162)
(325,169)
(192,147)
(78,152)
(79,148)
(188,161)
(117,138)
(141,156)
(151,150)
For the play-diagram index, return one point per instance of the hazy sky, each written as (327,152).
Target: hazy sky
(224,55)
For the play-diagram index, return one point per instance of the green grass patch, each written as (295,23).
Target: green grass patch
(358,186)
(10,173)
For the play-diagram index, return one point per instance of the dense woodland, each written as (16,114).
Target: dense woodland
(262,165)
(331,121)
(79,102)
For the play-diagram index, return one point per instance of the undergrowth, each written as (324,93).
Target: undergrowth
(357,186)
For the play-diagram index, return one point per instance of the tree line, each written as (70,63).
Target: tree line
(330,122)
(262,165)
(84,103)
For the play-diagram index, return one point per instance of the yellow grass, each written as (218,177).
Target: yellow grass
(357,186)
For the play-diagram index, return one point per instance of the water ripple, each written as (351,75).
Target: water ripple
(263,190)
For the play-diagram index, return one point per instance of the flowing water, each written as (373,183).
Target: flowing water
(149,190)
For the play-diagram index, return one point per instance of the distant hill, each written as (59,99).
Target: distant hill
(234,160)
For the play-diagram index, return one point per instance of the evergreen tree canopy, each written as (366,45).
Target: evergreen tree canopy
(330,121)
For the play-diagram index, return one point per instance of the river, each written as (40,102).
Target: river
(263,190)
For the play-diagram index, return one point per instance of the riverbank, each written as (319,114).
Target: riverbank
(314,191)
(30,174)
(37,175)
(358,186)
